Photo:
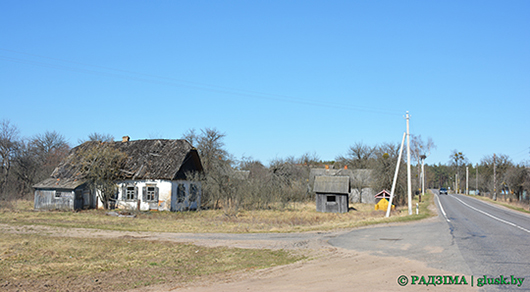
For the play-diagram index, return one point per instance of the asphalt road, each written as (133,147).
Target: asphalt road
(469,237)
(493,240)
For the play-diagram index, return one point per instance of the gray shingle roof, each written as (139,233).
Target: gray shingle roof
(57,183)
(146,159)
(332,184)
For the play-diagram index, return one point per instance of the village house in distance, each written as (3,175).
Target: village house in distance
(155,176)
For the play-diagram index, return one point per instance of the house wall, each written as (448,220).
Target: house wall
(367,196)
(339,204)
(189,201)
(164,189)
(46,199)
(172,195)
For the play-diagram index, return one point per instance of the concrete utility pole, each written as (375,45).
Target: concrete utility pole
(395,176)
(422,176)
(409,178)
(467,180)
(476,180)
(494,177)
(456,183)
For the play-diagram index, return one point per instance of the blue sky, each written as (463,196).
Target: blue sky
(280,78)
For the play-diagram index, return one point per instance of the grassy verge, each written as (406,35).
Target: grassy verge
(511,205)
(44,263)
(302,217)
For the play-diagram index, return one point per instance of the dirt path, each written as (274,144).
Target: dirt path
(329,268)
(335,270)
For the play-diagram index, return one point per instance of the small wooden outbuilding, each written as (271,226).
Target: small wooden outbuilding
(332,193)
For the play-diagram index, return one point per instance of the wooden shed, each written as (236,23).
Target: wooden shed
(360,181)
(63,194)
(332,193)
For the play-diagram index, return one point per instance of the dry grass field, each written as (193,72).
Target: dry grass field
(30,262)
(43,262)
(297,218)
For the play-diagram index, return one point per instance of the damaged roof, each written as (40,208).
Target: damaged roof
(146,159)
(57,183)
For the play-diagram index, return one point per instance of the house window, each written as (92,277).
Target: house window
(58,194)
(130,193)
(181,193)
(150,193)
(331,199)
(194,192)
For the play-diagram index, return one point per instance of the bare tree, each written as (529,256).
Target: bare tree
(26,167)
(191,136)
(385,165)
(502,163)
(97,137)
(101,164)
(420,150)
(217,167)
(309,159)
(457,159)
(515,180)
(210,146)
(9,141)
(359,156)
(50,148)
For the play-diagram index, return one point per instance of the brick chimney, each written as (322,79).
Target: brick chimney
(125,138)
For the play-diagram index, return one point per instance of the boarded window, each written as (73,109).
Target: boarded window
(331,199)
(194,192)
(181,193)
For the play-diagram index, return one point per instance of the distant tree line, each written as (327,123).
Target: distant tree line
(512,180)
(233,184)
(26,161)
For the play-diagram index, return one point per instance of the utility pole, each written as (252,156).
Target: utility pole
(457,187)
(467,180)
(395,176)
(422,176)
(494,177)
(476,180)
(409,179)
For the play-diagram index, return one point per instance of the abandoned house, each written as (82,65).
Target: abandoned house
(332,193)
(155,176)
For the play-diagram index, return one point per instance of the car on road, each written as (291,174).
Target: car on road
(443,191)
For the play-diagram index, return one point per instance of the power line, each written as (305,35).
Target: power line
(163,80)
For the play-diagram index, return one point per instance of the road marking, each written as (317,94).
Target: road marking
(442,208)
(496,218)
